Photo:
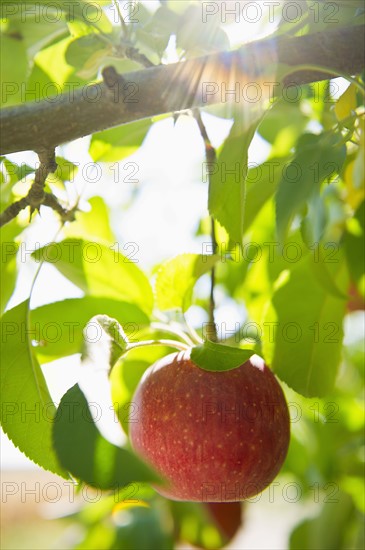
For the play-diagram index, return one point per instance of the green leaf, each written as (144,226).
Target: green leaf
(176,278)
(147,527)
(41,84)
(90,13)
(14,65)
(16,172)
(87,19)
(199,37)
(37,32)
(84,452)
(46,12)
(314,224)
(8,267)
(322,273)
(227,187)
(262,182)
(330,529)
(317,158)
(66,170)
(346,104)
(156,33)
(11,173)
(52,62)
(110,344)
(27,410)
(196,526)
(302,330)
(354,243)
(219,357)
(92,224)
(87,52)
(59,325)
(118,143)
(99,271)
(284,119)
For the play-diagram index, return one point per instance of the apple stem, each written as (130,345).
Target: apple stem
(212,326)
(211,157)
(194,335)
(163,342)
(173,330)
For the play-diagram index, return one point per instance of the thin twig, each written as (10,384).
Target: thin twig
(130,52)
(36,193)
(66,215)
(122,22)
(213,335)
(136,55)
(210,155)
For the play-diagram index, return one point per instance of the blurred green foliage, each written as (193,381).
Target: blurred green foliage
(289,251)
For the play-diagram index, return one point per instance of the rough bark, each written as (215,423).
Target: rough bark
(166,88)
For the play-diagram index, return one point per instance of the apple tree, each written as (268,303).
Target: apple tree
(159,342)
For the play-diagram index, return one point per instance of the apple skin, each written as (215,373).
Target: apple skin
(213,436)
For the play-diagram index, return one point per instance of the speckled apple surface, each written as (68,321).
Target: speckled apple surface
(213,436)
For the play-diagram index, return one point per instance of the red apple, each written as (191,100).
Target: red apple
(213,436)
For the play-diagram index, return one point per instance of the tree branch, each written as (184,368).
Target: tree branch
(52,202)
(36,195)
(168,88)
